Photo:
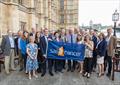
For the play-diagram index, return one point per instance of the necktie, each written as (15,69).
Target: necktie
(71,38)
(46,44)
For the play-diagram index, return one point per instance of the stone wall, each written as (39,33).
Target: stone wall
(29,14)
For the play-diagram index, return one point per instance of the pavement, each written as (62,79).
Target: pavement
(66,78)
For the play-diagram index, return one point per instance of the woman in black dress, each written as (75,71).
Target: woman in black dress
(37,41)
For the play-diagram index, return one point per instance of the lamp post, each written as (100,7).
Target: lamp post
(115,18)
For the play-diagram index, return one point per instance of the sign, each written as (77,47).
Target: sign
(65,51)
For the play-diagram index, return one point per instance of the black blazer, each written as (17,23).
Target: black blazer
(101,49)
(43,45)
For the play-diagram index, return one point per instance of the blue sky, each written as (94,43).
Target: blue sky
(99,11)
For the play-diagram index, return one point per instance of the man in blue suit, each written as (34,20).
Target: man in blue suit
(44,47)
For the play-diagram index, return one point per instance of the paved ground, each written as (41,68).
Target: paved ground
(66,78)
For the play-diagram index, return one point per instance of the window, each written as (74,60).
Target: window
(70,2)
(20,2)
(70,18)
(23,25)
(36,26)
(62,19)
(62,4)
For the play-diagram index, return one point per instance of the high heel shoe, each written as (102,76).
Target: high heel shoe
(30,78)
(99,75)
(81,72)
(35,76)
(88,75)
(85,74)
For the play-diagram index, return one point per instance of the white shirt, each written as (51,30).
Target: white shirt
(98,43)
(19,43)
(108,40)
(46,44)
(12,42)
(80,42)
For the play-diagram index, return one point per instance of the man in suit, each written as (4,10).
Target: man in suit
(95,40)
(33,32)
(111,45)
(44,47)
(71,38)
(63,39)
(8,48)
(20,34)
(51,35)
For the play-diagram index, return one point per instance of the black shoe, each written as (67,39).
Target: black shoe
(43,74)
(56,71)
(68,70)
(61,71)
(38,70)
(51,73)
(21,69)
(64,68)
(108,75)
(72,70)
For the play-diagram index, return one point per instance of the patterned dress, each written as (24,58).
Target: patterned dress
(32,64)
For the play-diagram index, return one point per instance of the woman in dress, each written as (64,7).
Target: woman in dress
(39,56)
(88,55)
(32,63)
(101,50)
(80,41)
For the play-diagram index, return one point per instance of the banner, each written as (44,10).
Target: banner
(65,51)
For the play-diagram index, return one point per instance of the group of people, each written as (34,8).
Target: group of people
(31,47)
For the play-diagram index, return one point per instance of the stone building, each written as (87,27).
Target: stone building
(27,14)
(69,13)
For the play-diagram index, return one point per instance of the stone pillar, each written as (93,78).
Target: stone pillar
(32,21)
(13,17)
(41,14)
(31,18)
(42,21)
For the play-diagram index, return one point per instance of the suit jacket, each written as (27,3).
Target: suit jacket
(111,46)
(52,37)
(94,39)
(101,48)
(43,45)
(5,45)
(68,37)
(63,38)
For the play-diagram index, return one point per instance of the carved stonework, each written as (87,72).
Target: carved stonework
(35,13)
